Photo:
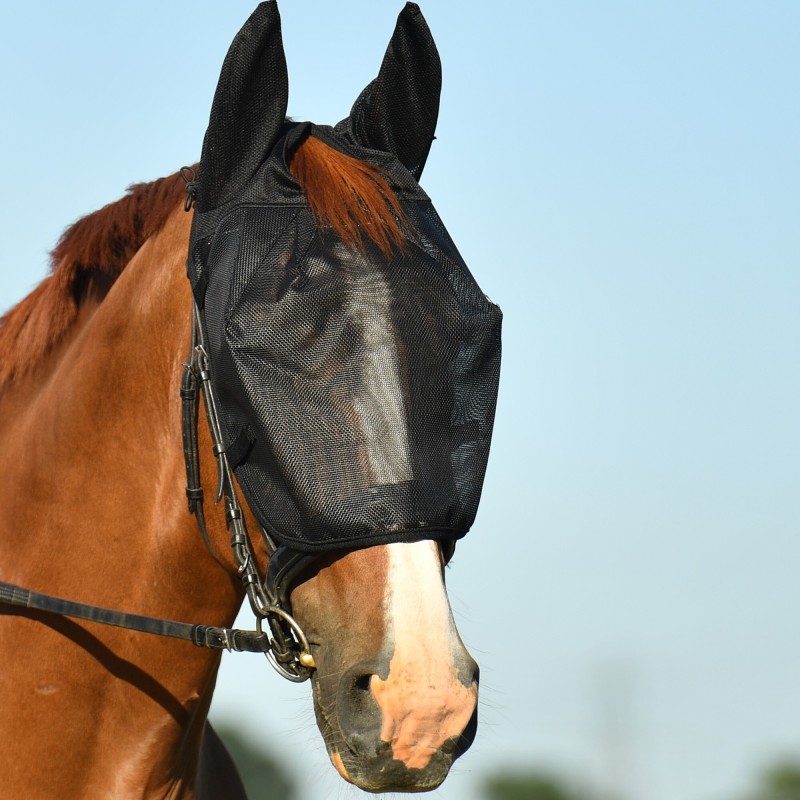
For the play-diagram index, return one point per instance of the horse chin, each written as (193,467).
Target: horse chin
(367,761)
(395,777)
(382,773)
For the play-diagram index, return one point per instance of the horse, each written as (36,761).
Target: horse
(92,509)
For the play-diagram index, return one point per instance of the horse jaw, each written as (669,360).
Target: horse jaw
(396,691)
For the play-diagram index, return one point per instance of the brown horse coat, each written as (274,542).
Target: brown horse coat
(92,509)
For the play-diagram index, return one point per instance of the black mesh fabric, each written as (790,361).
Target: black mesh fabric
(357,394)
(397,112)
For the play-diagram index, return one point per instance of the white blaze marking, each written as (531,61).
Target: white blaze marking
(378,401)
(417,609)
(423,701)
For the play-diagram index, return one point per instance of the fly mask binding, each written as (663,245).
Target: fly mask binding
(355,388)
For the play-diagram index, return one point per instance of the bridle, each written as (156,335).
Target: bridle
(282,641)
(288,650)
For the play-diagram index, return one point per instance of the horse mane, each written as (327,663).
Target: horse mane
(350,196)
(89,257)
(353,197)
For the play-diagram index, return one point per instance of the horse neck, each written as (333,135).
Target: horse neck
(92,509)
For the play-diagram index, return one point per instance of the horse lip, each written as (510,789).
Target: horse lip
(390,775)
(375,770)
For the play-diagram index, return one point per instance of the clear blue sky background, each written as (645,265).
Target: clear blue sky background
(623,178)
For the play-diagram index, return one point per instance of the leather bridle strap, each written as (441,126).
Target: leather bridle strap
(191,453)
(289,652)
(200,635)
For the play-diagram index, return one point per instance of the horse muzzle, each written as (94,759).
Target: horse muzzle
(393,734)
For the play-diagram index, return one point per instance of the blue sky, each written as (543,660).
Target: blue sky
(623,179)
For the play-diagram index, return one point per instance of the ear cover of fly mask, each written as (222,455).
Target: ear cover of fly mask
(397,112)
(248,111)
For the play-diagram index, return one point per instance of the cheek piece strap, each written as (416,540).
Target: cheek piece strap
(288,649)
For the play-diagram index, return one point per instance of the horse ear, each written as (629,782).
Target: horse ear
(248,111)
(397,112)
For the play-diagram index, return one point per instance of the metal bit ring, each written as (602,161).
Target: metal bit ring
(298,646)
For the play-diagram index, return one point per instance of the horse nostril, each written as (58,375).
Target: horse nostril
(362,708)
(359,716)
(357,708)
(469,673)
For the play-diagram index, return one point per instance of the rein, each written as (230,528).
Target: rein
(283,642)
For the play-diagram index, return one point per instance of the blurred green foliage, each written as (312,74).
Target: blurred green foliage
(266,778)
(263,775)
(781,781)
(527,785)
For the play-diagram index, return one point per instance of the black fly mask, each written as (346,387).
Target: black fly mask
(356,392)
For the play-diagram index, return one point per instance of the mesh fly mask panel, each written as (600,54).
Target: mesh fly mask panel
(356,393)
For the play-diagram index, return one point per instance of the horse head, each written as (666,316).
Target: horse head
(355,363)
(349,364)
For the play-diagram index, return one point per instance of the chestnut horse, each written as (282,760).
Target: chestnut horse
(92,509)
